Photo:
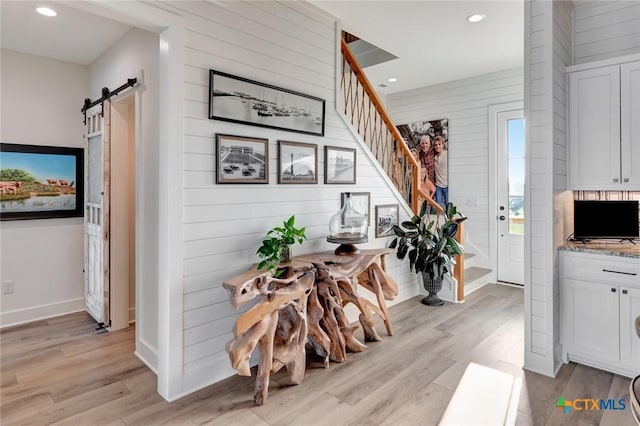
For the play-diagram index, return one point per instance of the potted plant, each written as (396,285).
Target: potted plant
(276,248)
(431,247)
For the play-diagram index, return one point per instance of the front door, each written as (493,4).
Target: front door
(510,196)
(96,216)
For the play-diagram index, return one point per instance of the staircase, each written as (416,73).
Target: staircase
(475,276)
(370,119)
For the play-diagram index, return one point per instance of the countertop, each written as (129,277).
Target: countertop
(624,249)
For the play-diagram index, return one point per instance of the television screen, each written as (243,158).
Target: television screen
(605,219)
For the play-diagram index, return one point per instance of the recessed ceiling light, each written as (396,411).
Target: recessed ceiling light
(476,17)
(46,11)
(392,80)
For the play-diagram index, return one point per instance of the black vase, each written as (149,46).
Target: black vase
(433,286)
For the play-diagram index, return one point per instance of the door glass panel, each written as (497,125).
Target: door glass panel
(95,169)
(515,153)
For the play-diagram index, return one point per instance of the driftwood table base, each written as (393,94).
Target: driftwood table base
(306,305)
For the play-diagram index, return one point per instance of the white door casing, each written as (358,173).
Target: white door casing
(96,217)
(510,196)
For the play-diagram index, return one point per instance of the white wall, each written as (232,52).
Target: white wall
(539,192)
(548,47)
(606,29)
(562,198)
(465,103)
(136,55)
(285,44)
(41,101)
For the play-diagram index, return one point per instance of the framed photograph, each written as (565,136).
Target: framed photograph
(245,101)
(339,165)
(361,202)
(386,216)
(41,182)
(297,162)
(429,141)
(241,160)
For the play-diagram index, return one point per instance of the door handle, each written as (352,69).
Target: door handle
(501,217)
(619,272)
(624,292)
(615,179)
(626,179)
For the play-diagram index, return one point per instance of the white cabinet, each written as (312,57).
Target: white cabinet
(599,301)
(604,133)
(629,340)
(630,123)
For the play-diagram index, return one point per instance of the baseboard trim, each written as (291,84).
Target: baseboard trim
(36,313)
(147,354)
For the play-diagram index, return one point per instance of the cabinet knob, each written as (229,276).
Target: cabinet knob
(615,179)
(626,179)
(624,292)
(613,290)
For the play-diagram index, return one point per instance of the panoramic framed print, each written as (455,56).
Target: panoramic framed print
(41,182)
(241,159)
(240,100)
(339,165)
(297,162)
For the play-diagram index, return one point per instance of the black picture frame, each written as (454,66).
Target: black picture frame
(241,159)
(358,199)
(387,215)
(339,165)
(297,163)
(41,182)
(240,100)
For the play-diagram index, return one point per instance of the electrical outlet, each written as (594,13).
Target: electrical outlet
(8,287)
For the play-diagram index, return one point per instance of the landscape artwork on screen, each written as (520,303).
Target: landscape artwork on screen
(40,182)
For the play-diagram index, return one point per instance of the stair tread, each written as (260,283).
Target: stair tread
(474,272)
(468,255)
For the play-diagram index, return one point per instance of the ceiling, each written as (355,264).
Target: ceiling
(433,41)
(72,36)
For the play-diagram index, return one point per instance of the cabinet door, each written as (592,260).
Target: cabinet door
(630,124)
(592,315)
(594,128)
(629,339)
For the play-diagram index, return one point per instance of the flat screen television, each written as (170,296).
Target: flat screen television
(605,219)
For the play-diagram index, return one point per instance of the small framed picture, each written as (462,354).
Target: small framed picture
(361,202)
(339,165)
(241,159)
(386,216)
(297,162)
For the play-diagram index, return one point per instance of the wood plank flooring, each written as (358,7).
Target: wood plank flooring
(63,371)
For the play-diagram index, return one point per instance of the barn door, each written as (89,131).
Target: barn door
(96,216)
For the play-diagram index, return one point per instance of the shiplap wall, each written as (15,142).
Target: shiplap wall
(465,103)
(539,297)
(562,198)
(606,29)
(284,44)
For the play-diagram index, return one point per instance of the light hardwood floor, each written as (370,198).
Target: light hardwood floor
(63,371)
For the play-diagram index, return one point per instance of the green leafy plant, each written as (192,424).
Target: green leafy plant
(279,240)
(429,243)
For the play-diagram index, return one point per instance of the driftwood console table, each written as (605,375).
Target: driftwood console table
(306,304)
